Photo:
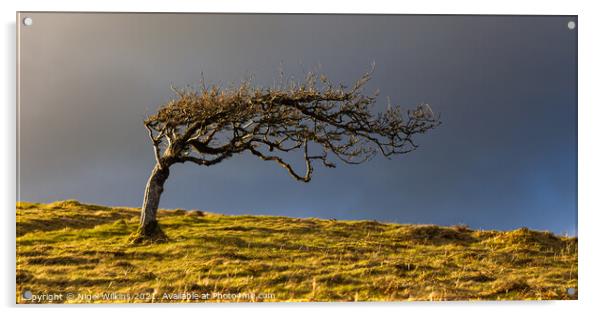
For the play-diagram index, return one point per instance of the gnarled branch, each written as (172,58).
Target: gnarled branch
(208,126)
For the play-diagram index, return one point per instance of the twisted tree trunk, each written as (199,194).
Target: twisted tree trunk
(149,228)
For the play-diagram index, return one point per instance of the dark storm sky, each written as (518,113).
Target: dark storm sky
(505,156)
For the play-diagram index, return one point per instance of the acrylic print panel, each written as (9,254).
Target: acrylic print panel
(188,158)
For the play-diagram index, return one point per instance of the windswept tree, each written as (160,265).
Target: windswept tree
(313,117)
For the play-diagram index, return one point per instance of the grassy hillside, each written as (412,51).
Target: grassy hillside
(68,247)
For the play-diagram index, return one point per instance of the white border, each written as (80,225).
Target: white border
(590,117)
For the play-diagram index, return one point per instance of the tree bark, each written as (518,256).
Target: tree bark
(149,228)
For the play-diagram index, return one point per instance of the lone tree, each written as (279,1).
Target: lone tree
(312,117)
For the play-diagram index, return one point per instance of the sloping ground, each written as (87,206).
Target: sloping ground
(79,253)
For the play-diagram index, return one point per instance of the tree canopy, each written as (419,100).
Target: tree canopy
(321,120)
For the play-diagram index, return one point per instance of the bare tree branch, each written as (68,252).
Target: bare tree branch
(156,143)
(211,125)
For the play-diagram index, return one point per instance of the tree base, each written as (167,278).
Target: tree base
(150,233)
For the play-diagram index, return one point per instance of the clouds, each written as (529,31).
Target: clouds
(506,88)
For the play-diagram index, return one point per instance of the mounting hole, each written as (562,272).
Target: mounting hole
(571,25)
(28,21)
(571,291)
(27,295)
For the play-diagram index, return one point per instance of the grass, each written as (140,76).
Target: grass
(69,247)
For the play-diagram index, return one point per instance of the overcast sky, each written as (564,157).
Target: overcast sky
(505,156)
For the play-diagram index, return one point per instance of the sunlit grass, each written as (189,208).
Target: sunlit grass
(70,247)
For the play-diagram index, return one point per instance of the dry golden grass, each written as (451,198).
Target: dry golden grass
(70,247)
